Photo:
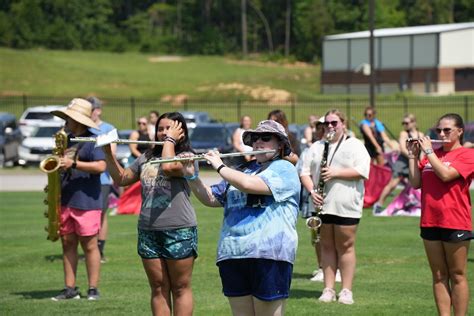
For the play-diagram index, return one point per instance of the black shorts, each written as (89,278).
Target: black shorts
(338,220)
(445,234)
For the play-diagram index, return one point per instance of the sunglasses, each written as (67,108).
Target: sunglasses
(263,136)
(141,123)
(446,130)
(405,123)
(332,123)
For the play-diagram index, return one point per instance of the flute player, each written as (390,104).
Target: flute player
(167,232)
(258,241)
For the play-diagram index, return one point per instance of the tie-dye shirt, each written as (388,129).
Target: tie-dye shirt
(266,227)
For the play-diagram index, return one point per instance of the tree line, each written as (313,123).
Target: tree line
(275,28)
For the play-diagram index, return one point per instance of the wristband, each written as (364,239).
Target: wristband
(170,139)
(219,168)
(74,165)
(193,177)
(428,151)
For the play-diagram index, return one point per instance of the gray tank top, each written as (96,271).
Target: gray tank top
(165,200)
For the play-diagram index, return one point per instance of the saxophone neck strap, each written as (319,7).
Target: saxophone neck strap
(341,139)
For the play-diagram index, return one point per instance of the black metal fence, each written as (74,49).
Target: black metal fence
(123,112)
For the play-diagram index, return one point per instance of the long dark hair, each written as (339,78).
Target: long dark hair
(458,122)
(182,145)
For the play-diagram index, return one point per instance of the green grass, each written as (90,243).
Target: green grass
(73,73)
(392,275)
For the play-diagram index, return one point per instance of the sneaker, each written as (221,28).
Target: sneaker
(103,259)
(338,275)
(93,294)
(318,276)
(328,296)
(377,209)
(345,297)
(67,293)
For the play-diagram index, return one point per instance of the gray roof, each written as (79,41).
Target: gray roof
(400,31)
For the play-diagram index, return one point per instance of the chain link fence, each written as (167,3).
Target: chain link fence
(123,112)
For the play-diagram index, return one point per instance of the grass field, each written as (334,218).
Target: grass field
(392,275)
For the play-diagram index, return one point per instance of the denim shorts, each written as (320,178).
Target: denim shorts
(167,244)
(267,280)
(445,234)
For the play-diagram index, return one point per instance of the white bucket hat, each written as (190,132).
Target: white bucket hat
(79,110)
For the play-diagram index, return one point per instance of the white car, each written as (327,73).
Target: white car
(37,115)
(39,144)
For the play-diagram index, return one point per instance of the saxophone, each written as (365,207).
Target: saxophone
(50,165)
(314,222)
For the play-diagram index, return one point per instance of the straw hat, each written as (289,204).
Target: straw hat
(79,110)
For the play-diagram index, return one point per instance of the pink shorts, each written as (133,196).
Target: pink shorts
(79,222)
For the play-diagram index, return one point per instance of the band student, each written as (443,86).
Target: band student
(258,240)
(347,166)
(81,201)
(445,176)
(167,232)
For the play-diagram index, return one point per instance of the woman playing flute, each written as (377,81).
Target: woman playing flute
(258,240)
(167,234)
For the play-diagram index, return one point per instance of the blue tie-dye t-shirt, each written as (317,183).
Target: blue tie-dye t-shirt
(265,228)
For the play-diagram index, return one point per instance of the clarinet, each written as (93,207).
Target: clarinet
(314,222)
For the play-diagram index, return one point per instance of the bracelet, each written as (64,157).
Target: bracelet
(74,165)
(219,168)
(170,139)
(428,151)
(193,177)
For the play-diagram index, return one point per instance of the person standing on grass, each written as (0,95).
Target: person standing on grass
(140,134)
(348,164)
(105,179)
(167,227)
(152,119)
(81,200)
(445,176)
(258,239)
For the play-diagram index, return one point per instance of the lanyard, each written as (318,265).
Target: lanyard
(337,147)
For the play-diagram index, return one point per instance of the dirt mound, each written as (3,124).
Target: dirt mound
(264,93)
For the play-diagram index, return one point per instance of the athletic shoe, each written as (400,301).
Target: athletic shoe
(103,259)
(318,276)
(338,275)
(345,297)
(68,293)
(377,209)
(328,296)
(93,294)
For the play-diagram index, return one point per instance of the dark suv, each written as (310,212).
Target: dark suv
(10,139)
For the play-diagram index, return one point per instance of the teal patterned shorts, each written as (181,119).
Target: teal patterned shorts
(167,244)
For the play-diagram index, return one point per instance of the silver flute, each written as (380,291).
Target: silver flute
(201,157)
(117,141)
(432,140)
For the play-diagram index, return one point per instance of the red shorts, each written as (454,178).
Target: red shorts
(79,222)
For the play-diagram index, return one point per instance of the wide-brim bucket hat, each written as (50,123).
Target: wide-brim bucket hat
(79,110)
(268,126)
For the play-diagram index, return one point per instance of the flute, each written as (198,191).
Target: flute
(201,157)
(117,141)
(432,140)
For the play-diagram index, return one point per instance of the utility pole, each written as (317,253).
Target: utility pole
(371,52)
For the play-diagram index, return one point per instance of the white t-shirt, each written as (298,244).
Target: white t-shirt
(344,198)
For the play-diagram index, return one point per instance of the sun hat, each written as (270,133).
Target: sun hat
(79,110)
(268,126)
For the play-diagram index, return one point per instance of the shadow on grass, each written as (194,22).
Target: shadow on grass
(52,258)
(300,293)
(37,295)
(303,276)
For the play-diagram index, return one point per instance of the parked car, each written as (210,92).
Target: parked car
(194,118)
(39,144)
(35,115)
(123,150)
(10,139)
(211,136)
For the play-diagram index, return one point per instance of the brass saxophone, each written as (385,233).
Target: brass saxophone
(50,165)
(314,222)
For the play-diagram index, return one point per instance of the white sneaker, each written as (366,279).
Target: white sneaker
(328,296)
(345,297)
(318,276)
(316,271)
(338,275)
